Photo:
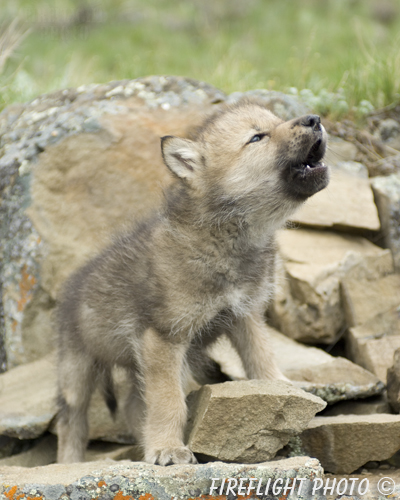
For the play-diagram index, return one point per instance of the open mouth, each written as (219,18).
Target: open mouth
(310,165)
(310,175)
(313,161)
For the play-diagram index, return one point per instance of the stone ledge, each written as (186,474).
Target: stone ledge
(137,480)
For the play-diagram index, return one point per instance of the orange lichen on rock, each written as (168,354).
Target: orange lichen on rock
(11,492)
(120,496)
(146,496)
(101,483)
(25,288)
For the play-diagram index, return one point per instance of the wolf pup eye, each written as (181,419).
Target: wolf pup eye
(256,138)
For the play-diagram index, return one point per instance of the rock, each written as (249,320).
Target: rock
(43,453)
(387,197)
(355,491)
(248,421)
(370,288)
(393,382)
(347,204)
(10,446)
(27,399)
(389,129)
(384,167)
(126,480)
(100,450)
(340,151)
(344,443)
(308,303)
(102,426)
(331,378)
(95,150)
(28,404)
(283,105)
(373,343)
(369,406)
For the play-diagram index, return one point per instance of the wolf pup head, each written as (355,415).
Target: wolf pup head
(245,160)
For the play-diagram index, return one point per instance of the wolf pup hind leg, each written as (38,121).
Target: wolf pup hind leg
(200,266)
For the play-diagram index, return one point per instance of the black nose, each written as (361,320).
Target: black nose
(312,121)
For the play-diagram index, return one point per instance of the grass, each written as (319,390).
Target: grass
(344,51)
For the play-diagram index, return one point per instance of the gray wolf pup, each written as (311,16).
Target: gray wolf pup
(201,266)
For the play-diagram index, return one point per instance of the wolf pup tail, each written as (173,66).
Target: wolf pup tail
(108,391)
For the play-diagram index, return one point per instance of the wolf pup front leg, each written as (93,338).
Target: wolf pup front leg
(163,366)
(250,336)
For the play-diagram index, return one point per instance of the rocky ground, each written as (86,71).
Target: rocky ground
(74,167)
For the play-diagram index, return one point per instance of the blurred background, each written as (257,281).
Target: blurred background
(344,53)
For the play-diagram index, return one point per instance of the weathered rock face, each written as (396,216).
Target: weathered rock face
(393,382)
(308,301)
(248,421)
(139,480)
(345,443)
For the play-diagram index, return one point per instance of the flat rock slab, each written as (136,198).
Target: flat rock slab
(44,452)
(347,203)
(248,421)
(376,479)
(134,480)
(369,406)
(27,399)
(346,442)
(331,378)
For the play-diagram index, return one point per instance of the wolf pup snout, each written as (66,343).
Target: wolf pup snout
(198,267)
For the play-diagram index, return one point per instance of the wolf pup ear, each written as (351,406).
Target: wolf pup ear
(181,157)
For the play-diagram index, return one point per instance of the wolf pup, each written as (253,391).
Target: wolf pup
(199,267)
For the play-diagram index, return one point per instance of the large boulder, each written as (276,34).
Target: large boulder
(75,166)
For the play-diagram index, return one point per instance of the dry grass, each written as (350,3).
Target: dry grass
(344,51)
(11,37)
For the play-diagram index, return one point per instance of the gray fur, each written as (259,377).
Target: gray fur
(200,266)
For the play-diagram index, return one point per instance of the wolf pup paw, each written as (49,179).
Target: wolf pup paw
(171,456)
